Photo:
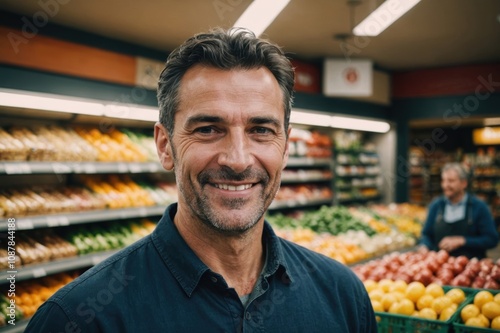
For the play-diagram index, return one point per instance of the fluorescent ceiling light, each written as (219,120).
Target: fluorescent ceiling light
(58,103)
(382,17)
(325,120)
(491,121)
(260,14)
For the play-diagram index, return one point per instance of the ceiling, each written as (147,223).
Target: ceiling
(435,33)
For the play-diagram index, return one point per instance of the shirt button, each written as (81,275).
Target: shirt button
(248,315)
(214,279)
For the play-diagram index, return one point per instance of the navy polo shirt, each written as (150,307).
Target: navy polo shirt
(159,285)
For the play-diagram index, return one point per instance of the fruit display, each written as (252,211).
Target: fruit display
(5,311)
(324,243)
(92,192)
(373,237)
(483,311)
(407,218)
(428,267)
(306,143)
(302,193)
(31,294)
(414,299)
(110,236)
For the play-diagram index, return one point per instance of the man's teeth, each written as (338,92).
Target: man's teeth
(232,187)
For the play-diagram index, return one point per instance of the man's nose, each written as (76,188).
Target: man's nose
(236,152)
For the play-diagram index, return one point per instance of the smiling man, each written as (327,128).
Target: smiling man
(213,264)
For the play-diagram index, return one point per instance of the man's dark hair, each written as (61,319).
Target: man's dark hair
(235,48)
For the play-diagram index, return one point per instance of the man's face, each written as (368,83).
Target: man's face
(229,146)
(453,187)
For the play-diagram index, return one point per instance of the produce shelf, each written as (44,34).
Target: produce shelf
(18,168)
(70,218)
(300,203)
(308,161)
(305,178)
(18,328)
(52,267)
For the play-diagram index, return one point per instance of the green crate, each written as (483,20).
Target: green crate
(460,328)
(395,323)
(458,325)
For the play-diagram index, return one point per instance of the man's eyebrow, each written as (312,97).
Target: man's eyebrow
(203,118)
(265,120)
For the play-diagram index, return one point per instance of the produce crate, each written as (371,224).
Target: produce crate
(395,323)
(458,325)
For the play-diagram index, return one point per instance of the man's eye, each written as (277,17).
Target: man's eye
(205,130)
(262,130)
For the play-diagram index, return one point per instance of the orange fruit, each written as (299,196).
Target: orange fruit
(435,290)
(457,295)
(496,298)
(399,295)
(482,297)
(427,313)
(425,301)
(415,290)
(447,313)
(485,320)
(376,294)
(440,303)
(491,309)
(398,285)
(377,306)
(475,321)
(406,307)
(385,284)
(495,323)
(370,285)
(469,311)
(387,300)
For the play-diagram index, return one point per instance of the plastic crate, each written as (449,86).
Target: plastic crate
(395,323)
(459,327)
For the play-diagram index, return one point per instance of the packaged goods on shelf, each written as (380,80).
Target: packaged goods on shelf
(309,143)
(96,192)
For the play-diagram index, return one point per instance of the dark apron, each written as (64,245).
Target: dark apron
(458,228)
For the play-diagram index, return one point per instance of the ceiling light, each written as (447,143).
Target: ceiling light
(59,103)
(260,14)
(491,121)
(49,103)
(382,17)
(304,117)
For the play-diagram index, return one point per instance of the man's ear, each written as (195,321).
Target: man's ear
(163,147)
(287,149)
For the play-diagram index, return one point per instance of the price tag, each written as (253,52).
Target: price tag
(17,168)
(135,168)
(61,168)
(154,167)
(143,212)
(55,221)
(24,224)
(39,272)
(97,259)
(89,168)
(122,168)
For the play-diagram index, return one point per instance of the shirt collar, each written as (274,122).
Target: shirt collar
(460,203)
(187,268)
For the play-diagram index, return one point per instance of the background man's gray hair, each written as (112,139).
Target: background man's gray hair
(460,169)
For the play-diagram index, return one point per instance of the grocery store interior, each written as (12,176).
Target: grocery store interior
(376,115)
